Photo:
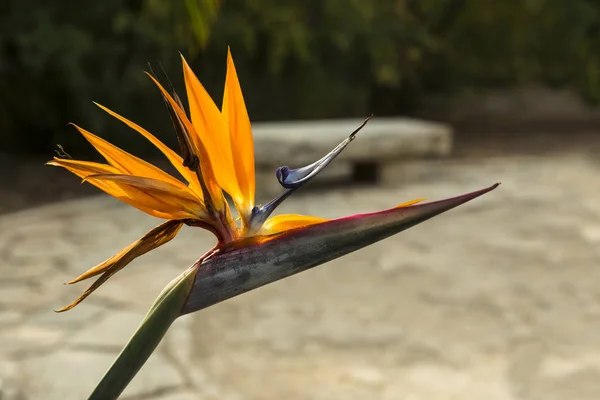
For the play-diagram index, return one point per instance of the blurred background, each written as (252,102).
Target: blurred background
(498,300)
(480,65)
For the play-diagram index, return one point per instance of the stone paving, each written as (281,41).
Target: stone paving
(498,299)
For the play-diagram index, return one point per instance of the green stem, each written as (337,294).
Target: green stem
(166,308)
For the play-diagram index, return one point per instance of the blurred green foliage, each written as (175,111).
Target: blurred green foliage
(296,59)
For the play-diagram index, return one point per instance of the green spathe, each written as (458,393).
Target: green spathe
(254,262)
(241,266)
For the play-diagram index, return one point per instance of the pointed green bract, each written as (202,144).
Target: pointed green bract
(166,308)
(257,261)
(238,267)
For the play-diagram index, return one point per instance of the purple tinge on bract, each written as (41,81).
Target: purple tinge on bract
(257,261)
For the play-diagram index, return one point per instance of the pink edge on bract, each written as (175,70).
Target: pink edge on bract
(430,205)
(250,263)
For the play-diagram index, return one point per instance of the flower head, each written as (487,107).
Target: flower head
(216,162)
(217,159)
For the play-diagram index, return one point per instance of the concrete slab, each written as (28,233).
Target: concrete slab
(498,299)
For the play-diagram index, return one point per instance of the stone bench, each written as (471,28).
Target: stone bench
(377,154)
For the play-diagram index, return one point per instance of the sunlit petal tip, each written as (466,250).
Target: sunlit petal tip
(212,135)
(287,222)
(236,117)
(270,258)
(412,202)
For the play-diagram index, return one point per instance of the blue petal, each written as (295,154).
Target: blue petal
(294,178)
(261,213)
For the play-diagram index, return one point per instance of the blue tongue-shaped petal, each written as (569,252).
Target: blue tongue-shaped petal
(294,178)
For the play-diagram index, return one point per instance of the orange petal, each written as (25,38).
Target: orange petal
(173,200)
(171,155)
(285,222)
(83,168)
(240,134)
(150,241)
(131,196)
(212,132)
(411,202)
(208,173)
(126,163)
(153,239)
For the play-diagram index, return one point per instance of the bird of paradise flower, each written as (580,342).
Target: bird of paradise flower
(254,249)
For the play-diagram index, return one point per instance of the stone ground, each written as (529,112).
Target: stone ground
(498,299)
